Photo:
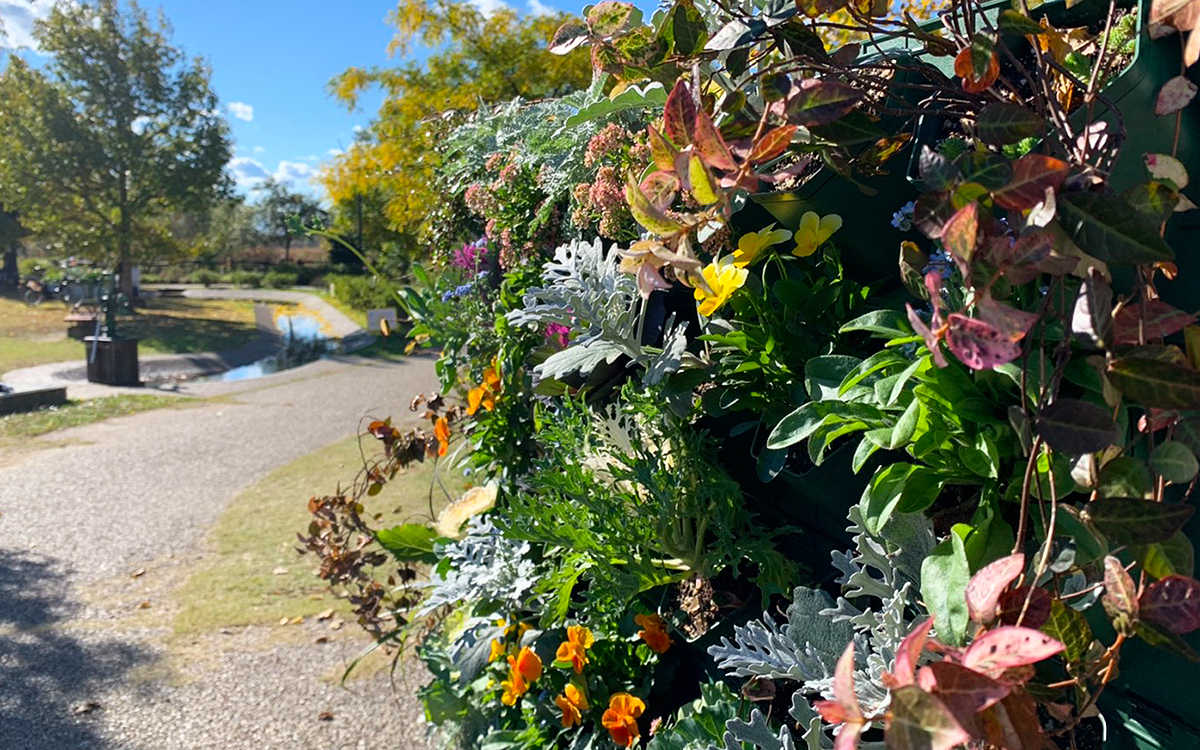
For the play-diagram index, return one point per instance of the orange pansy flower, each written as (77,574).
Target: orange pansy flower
(441,430)
(513,688)
(574,649)
(653,632)
(571,702)
(527,664)
(621,718)
(485,393)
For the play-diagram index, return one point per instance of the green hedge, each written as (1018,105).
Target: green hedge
(361,292)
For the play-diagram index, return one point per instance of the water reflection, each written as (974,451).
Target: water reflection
(304,341)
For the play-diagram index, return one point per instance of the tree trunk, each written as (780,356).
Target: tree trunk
(287,247)
(125,243)
(9,275)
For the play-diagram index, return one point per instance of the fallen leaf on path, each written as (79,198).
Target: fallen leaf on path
(144,605)
(298,619)
(325,716)
(322,639)
(326,614)
(280,571)
(85,708)
(138,573)
(336,624)
(283,621)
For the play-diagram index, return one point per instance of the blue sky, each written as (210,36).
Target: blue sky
(271,61)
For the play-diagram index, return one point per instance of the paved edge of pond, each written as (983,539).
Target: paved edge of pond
(70,374)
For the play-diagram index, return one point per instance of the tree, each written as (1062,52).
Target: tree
(11,232)
(116,133)
(278,210)
(480,60)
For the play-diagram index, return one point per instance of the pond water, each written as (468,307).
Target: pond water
(304,341)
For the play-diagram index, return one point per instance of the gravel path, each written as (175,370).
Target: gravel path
(83,668)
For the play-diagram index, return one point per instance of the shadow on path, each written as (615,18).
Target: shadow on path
(46,671)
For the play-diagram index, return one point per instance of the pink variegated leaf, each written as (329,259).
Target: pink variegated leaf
(1175,94)
(906,656)
(977,344)
(931,339)
(843,682)
(921,720)
(660,188)
(1009,646)
(1120,598)
(679,114)
(1007,319)
(985,587)
(960,233)
(1173,603)
(847,736)
(963,691)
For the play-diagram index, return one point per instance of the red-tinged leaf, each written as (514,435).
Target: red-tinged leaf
(679,114)
(650,280)
(1175,94)
(977,344)
(660,188)
(920,720)
(1032,175)
(661,151)
(843,683)
(907,654)
(1128,520)
(1007,319)
(932,211)
(772,144)
(646,214)
(710,144)
(1173,603)
(1156,320)
(1036,615)
(610,17)
(1013,723)
(1120,595)
(816,102)
(984,590)
(831,711)
(972,81)
(847,737)
(963,691)
(1009,646)
(570,35)
(960,233)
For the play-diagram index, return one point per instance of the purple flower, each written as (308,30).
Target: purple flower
(559,334)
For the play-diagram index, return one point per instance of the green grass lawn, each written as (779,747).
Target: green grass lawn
(17,427)
(253,574)
(37,335)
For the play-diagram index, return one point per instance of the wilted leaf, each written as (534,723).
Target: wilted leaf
(1120,594)
(1109,229)
(1150,382)
(921,720)
(1002,123)
(660,188)
(1076,427)
(1174,96)
(1173,603)
(1128,520)
(646,213)
(1174,462)
(818,102)
(988,583)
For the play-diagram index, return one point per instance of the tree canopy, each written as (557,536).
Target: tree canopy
(479,60)
(118,130)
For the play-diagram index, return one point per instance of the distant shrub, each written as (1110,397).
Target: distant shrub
(361,292)
(252,279)
(279,279)
(204,276)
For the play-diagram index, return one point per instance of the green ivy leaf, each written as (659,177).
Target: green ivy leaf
(1173,556)
(1070,628)
(1174,462)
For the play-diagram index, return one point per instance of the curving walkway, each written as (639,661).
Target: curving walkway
(82,666)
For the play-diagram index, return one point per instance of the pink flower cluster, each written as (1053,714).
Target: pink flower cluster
(479,199)
(612,139)
(603,200)
(470,257)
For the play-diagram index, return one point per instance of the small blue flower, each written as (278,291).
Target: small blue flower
(902,219)
(447,295)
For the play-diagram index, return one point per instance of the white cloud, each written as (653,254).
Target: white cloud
(358,129)
(258,149)
(538,8)
(18,16)
(489,7)
(241,110)
(293,170)
(247,172)
(334,152)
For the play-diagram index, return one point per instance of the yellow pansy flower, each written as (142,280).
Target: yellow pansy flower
(723,279)
(814,231)
(752,245)
(572,702)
